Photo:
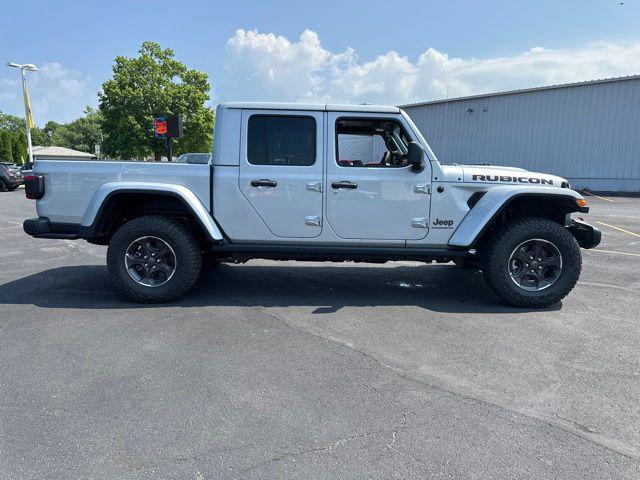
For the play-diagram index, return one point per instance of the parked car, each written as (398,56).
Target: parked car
(194,158)
(16,169)
(10,177)
(11,166)
(316,182)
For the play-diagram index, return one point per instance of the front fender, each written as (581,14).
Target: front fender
(493,202)
(180,191)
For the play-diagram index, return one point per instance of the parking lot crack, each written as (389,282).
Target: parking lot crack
(408,455)
(618,446)
(340,442)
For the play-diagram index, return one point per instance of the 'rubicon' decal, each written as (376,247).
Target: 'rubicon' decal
(510,179)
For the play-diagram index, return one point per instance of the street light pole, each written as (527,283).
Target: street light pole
(27,107)
(26,117)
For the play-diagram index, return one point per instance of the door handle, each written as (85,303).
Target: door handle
(264,182)
(344,184)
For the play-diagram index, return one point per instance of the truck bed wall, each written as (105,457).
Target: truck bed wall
(70,184)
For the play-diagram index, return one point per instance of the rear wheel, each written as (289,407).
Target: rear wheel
(532,262)
(153,259)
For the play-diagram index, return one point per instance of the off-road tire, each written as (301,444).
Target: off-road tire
(172,232)
(497,251)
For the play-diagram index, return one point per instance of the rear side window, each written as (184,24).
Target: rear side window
(281,140)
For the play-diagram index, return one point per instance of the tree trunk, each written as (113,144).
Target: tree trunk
(157,155)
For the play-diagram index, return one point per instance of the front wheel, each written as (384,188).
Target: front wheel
(153,259)
(532,262)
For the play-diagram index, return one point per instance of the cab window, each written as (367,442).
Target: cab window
(365,142)
(281,140)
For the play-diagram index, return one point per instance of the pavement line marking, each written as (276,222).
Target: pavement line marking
(598,196)
(613,251)
(618,228)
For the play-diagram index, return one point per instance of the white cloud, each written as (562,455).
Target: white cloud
(279,65)
(265,66)
(57,93)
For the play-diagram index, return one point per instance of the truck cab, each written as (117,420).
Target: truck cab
(320,174)
(316,182)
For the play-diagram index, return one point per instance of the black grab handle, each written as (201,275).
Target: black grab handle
(263,182)
(344,184)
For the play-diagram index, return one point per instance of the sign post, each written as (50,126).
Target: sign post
(160,127)
(174,130)
(168,128)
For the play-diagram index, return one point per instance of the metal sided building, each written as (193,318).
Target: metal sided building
(587,132)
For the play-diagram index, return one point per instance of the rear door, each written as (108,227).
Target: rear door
(281,167)
(371,193)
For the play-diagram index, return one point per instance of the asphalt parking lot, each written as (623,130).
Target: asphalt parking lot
(301,370)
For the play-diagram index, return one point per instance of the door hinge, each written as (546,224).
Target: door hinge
(422,188)
(313,221)
(419,222)
(314,186)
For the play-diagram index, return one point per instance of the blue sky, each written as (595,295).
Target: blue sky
(381,52)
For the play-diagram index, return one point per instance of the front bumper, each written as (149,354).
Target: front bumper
(587,235)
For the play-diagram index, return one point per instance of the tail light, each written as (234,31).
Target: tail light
(34,186)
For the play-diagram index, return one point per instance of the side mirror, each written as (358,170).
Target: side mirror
(415,157)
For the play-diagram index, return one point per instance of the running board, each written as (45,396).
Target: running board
(339,253)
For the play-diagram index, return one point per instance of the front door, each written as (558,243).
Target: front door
(371,191)
(281,162)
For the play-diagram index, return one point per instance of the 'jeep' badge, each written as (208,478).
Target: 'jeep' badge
(442,224)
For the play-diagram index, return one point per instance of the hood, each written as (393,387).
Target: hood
(509,175)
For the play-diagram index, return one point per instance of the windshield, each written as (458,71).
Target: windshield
(199,158)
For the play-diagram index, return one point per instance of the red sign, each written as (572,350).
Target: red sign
(160,127)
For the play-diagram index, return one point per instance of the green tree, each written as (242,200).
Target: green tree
(50,130)
(16,124)
(39,137)
(154,84)
(6,151)
(82,134)
(19,148)
(11,122)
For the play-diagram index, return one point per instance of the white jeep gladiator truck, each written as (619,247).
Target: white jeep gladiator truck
(315,182)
